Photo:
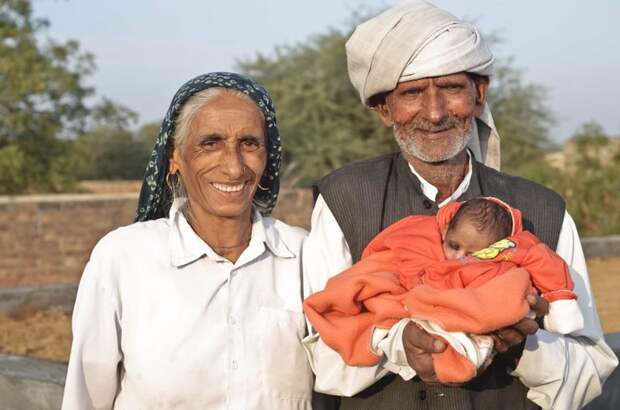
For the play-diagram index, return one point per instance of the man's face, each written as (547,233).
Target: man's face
(433,117)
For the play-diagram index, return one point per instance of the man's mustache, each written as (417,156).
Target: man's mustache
(451,121)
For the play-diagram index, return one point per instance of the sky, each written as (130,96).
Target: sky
(145,49)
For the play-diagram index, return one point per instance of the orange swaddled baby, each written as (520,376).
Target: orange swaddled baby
(463,273)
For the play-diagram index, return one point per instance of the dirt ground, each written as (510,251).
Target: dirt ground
(605,278)
(47,335)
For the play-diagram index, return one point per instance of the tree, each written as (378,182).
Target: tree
(42,99)
(523,120)
(323,123)
(113,152)
(593,194)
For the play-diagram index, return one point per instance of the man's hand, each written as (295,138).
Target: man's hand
(513,335)
(418,346)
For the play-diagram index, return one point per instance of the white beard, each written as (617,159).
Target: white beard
(408,141)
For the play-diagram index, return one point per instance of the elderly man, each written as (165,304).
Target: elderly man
(426,74)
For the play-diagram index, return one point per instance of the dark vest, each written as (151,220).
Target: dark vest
(368,196)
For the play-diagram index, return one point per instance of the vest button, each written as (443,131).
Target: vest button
(428,204)
(422,394)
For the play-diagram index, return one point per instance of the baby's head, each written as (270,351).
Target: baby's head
(477,224)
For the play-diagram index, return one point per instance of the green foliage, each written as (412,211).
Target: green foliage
(42,100)
(522,119)
(110,152)
(12,169)
(593,194)
(323,123)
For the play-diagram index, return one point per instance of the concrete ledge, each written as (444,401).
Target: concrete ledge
(601,246)
(33,199)
(30,384)
(36,299)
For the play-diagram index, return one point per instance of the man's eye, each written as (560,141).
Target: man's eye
(454,246)
(413,91)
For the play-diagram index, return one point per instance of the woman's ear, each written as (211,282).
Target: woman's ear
(174,162)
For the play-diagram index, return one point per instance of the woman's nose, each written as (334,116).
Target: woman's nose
(232,163)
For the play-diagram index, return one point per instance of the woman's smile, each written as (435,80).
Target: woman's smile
(228,187)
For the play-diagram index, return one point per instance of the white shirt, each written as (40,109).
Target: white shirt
(163,322)
(561,372)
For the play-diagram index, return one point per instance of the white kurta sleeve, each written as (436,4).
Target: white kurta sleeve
(326,254)
(567,372)
(93,372)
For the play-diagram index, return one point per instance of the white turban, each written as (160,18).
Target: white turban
(414,40)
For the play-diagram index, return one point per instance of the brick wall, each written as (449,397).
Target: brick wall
(47,239)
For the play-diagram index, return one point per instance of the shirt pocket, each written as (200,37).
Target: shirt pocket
(285,370)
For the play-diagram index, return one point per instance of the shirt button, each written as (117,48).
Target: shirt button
(233,321)
(422,394)
(428,204)
(234,365)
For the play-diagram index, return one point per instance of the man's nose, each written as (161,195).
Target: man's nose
(435,106)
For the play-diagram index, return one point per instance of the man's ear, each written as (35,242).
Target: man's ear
(481,84)
(384,112)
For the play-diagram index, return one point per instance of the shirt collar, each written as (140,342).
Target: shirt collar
(187,247)
(430,191)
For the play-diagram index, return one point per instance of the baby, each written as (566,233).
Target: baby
(476,225)
(465,272)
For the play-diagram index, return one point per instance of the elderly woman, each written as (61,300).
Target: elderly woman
(198,305)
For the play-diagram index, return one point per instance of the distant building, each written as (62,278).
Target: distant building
(563,158)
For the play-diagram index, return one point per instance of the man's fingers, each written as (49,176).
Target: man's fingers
(511,336)
(526,326)
(538,304)
(423,366)
(415,337)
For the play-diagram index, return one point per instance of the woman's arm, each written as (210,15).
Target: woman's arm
(93,374)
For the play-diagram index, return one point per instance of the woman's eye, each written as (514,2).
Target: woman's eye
(209,144)
(454,246)
(250,144)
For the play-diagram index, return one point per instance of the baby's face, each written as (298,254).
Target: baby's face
(463,240)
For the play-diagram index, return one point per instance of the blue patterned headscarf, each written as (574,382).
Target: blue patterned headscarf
(155,196)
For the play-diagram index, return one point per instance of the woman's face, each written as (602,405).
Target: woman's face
(223,158)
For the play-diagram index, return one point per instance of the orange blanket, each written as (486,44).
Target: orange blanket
(403,273)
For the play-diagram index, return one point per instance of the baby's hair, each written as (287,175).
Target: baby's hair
(486,216)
